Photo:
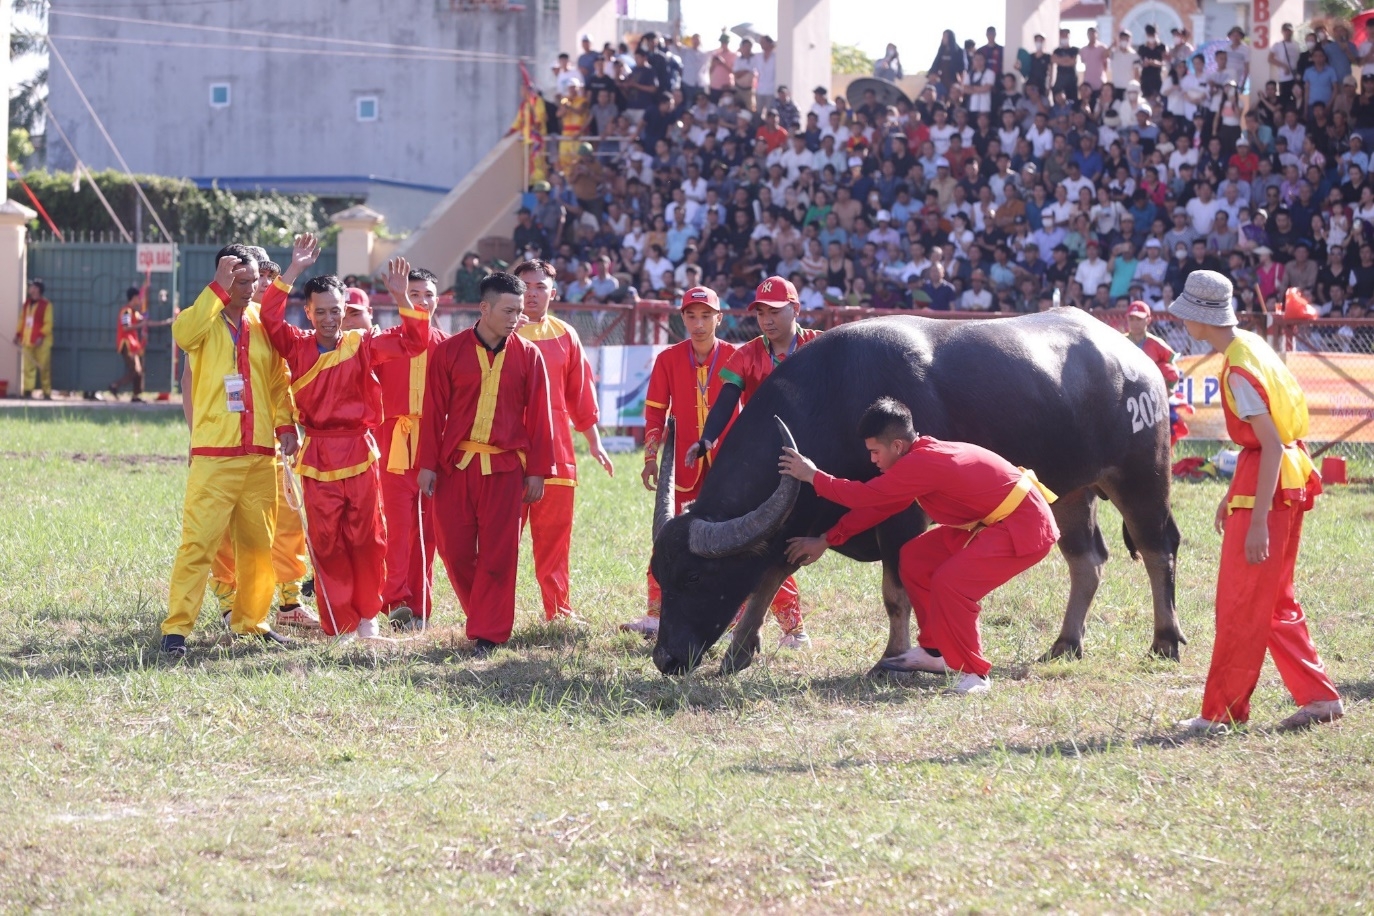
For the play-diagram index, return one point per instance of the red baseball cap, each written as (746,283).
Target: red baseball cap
(355,298)
(775,291)
(1138,309)
(700,295)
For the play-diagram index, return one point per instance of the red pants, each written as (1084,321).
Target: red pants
(1257,610)
(550,522)
(348,537)
(786,606)
(477,525)
(946,572)
(409,570)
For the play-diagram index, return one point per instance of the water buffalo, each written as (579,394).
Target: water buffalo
(1059,392)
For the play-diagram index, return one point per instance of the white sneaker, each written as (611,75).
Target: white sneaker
(299,616)
(971,683)
(1314,713)
(794,641)
(917,658)
(367,628)
(1200,726)
(344,639)
(645,626)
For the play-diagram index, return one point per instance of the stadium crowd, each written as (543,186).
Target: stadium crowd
(1090,176)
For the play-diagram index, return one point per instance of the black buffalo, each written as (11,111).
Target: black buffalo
(1058,392)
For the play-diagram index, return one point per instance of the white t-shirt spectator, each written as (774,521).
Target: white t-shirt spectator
(822,111)
(976,300)
(1091,274)
(980,101)
(695,190)
(940,137)
(1294,135)
(1178,157)
(1009,138)
(658,271)
(1041,141)
(691,211)
(792,162)
(1062,212)
(1123,65)
(1202,215)
(1075,185)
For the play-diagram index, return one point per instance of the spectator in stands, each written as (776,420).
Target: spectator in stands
(889,67)
(467,284)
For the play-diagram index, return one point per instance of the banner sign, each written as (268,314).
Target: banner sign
(1339,389)
(623,372)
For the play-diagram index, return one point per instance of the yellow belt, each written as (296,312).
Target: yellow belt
(405,444)
(1013,499)
(470,448)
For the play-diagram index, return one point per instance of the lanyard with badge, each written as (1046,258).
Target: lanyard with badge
(704,385)
(233,383)
(777,361)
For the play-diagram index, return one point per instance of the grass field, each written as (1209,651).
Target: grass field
(564,774)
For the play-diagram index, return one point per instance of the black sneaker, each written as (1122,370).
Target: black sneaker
(308,587)
(400,616)
(481,648)
(174,645)
(271,637)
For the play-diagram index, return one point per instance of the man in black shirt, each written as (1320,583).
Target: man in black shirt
(528,236)
(1066,63)
(1362,275)
(1151,64)
(1202,259)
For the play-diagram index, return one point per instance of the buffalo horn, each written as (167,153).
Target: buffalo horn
(727,538)
(667,463)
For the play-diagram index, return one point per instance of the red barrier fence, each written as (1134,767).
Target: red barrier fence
(1333,358)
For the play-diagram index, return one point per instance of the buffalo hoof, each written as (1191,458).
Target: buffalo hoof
(1063,648)
(1166,647)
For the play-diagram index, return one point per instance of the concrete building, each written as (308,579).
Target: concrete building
(398,100)
(317,95)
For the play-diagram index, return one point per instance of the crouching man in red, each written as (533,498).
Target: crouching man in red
(1260,520)
(486,448)
(993,522)
(337,402)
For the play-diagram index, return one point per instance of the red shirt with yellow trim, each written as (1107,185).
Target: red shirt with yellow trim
(572,390)
(487,406)
(755,361)
(686,389)
(403,402)
(335,391)
(35,322)
(129,331)
(954,483)
(216,348)
(1248,357)
(1163,357)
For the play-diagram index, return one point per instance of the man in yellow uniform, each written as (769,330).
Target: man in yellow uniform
(289,551)
(34,338)
(240,401)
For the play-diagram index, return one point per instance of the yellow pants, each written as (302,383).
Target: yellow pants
(289,554)
(37,364)
(237,496)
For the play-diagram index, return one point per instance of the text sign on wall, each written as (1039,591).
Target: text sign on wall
(156,257)
(1259,22)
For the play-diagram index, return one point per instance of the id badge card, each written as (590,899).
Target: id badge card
(233,393)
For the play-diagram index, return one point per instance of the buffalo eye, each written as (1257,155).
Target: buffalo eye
(692,578)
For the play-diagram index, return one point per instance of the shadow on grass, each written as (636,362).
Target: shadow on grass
(544,668)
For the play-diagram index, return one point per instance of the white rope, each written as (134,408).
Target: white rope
(295,499)
(52,47)
(265,49)
(426,596)
(80,168)
(447,53)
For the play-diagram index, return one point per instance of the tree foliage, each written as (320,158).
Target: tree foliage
(849,59)
(189,212)
(26,96)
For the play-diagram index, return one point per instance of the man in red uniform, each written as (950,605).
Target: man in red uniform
(1138,317)
(336,403)
(34,339)
(410,542)
(685,382)
(993,522)
(775,305)
(131,340)
(572,402)
(1260,520)
(486,447)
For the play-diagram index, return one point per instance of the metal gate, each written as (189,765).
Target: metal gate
(86,282)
